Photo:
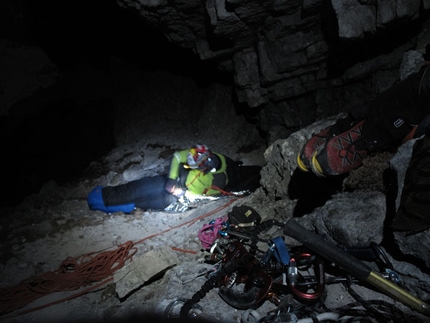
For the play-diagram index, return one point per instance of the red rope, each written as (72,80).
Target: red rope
(76,273)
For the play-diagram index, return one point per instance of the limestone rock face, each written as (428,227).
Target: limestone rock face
(300,60)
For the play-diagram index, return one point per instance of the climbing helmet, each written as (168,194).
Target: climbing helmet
(198,155)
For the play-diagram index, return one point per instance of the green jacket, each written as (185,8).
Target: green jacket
(197,181)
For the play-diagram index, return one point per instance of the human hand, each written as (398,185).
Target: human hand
(170,186)
(178,192)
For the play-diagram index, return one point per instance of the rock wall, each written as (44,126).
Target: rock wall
(297,61)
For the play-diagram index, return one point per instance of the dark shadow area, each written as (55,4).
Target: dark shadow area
(344,54)
(391,186)
(100,29)
(248,179)
(312,191)
(52,135)
(389,242)
(56,143)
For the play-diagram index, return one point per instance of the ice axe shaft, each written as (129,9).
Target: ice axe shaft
(352,265)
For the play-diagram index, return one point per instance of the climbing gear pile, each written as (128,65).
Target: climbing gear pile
(292,278)
(247,276)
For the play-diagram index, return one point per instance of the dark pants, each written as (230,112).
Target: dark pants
(146,193)
(413,215)
(391,114)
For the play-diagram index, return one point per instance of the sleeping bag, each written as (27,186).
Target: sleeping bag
(145,193)
(95,203)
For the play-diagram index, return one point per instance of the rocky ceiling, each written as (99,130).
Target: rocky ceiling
(293,62)
(296,60)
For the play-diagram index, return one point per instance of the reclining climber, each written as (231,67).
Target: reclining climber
(197,171)
(395,116)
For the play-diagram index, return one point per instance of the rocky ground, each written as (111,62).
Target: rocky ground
(168,259)
(49,227)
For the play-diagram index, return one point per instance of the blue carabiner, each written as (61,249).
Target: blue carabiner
(223,233)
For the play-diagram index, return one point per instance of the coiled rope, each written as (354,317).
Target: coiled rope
(72,274)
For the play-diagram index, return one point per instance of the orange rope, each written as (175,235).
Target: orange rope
(216,188)
(184,250)
(190,222)
(195,177)
(71,275)
(76,273)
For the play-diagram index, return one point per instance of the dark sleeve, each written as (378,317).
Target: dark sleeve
(219,180)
